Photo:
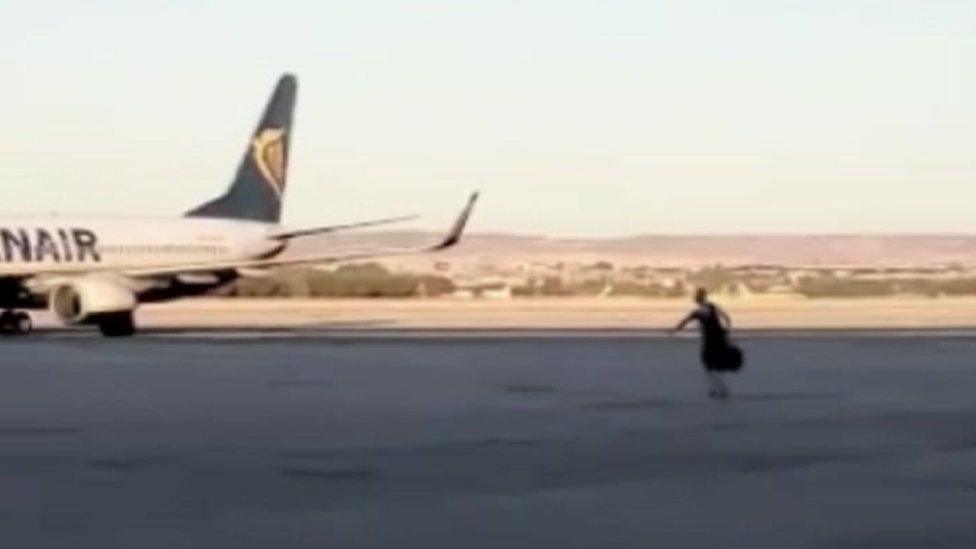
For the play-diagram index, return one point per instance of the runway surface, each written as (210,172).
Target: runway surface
(206,440)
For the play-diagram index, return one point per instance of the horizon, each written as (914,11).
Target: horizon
(486,233)
(670,250)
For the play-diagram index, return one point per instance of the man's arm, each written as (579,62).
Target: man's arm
(684,322)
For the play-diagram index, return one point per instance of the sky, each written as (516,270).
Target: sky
(573,117)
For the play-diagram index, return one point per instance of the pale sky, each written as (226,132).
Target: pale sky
(574,117)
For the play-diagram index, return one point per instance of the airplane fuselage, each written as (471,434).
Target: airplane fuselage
(70,244)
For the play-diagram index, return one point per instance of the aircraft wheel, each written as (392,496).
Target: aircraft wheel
(23,324)
(118,324)
(15,323)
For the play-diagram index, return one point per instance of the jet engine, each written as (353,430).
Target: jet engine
(88,300)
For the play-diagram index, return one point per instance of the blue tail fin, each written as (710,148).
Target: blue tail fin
(255,193)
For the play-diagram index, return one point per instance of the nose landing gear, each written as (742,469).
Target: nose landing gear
(15,323)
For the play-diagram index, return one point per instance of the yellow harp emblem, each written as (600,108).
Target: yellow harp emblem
(268,150)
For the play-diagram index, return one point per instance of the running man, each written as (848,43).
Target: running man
(714,324)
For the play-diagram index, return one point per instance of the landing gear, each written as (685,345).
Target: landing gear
(15,323)
(118,324)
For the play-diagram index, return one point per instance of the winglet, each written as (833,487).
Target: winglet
(454,236)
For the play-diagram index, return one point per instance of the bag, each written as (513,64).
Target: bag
(733,358)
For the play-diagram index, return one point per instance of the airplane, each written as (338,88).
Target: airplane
(99,270)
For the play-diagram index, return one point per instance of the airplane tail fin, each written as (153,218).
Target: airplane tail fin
(257,189)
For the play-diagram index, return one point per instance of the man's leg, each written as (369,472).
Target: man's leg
(716,386)
(725,393)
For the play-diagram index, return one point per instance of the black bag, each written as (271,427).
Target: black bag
(733,358)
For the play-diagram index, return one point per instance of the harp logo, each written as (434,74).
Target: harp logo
(268,151)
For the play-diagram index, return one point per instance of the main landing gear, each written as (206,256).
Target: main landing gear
(15,323)
(119,324)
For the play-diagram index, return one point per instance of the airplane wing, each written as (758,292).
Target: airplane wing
(453,237)
(287,234)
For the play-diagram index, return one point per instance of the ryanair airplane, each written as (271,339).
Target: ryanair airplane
(97,271)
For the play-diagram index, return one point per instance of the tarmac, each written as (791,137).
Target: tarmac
(213,439)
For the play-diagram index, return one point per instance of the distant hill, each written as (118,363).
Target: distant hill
(678,250)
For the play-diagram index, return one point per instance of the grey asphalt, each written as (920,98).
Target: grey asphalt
(503,441)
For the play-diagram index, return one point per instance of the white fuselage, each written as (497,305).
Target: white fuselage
(58,244)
